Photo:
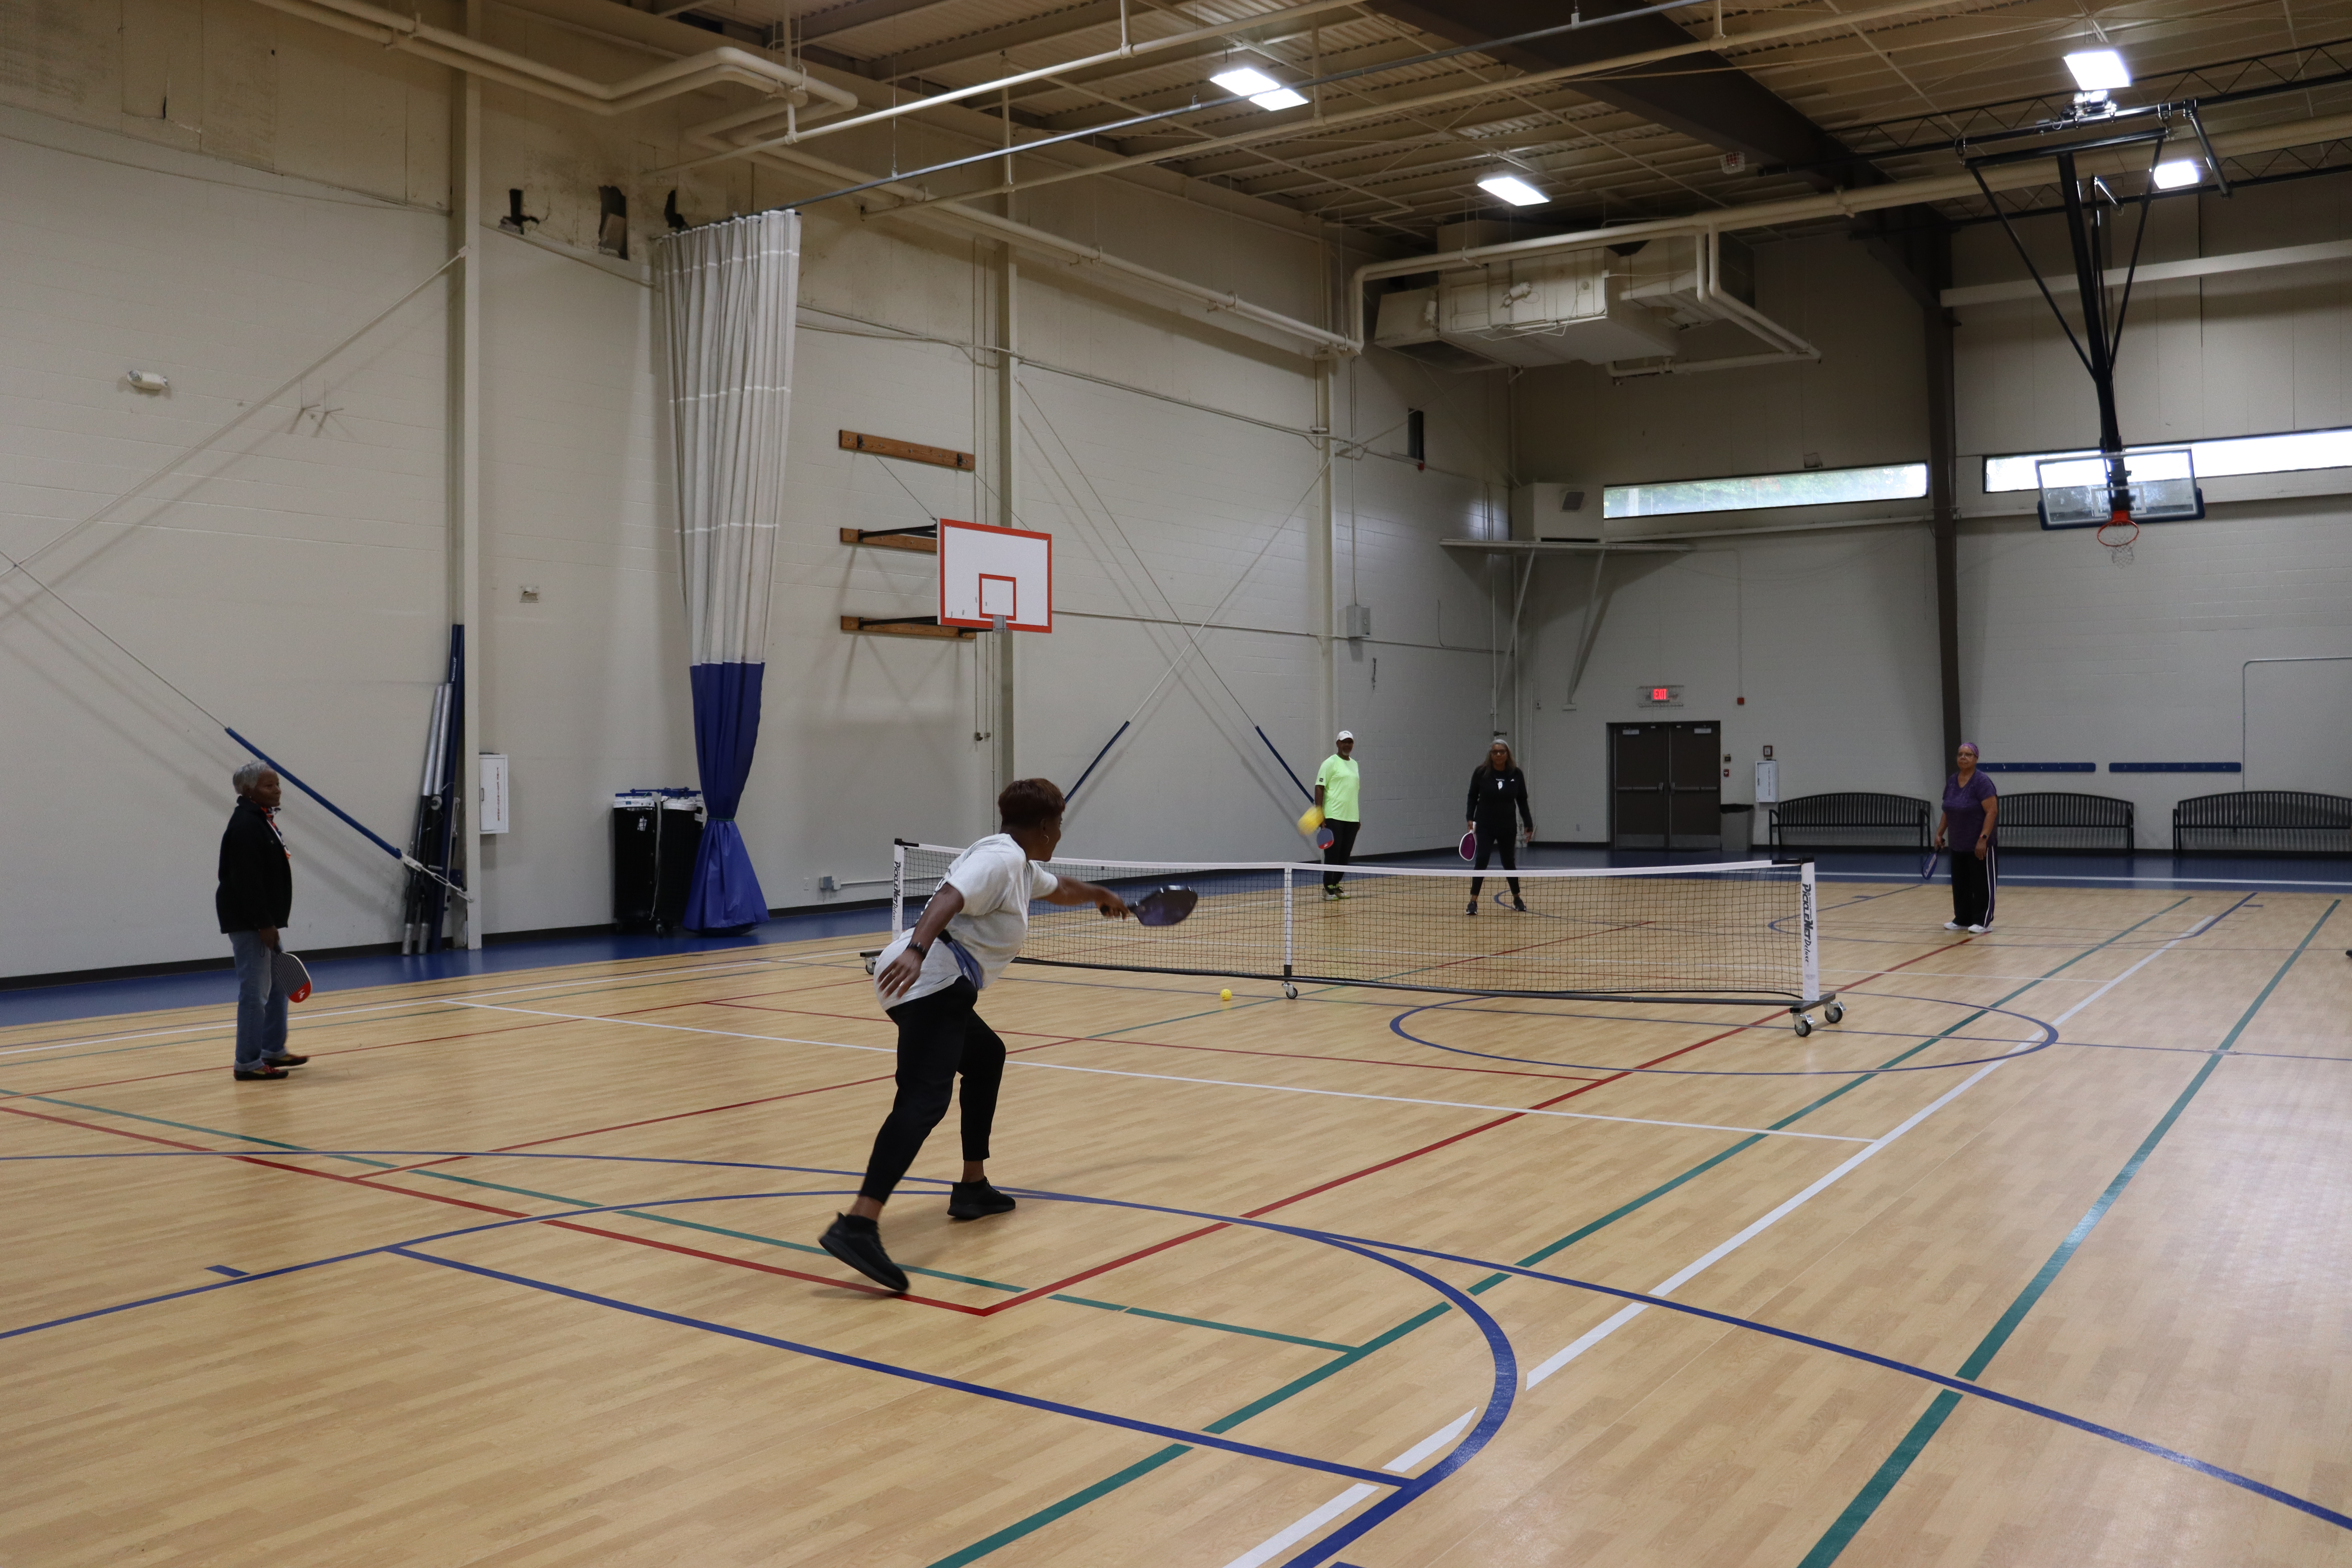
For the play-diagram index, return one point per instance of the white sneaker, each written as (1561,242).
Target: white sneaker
(1951,925)
(1976,930)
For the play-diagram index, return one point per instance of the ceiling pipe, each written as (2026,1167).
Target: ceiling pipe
(671,80)
(1402,107)
(1835,204)
(715,67)
(1002,84)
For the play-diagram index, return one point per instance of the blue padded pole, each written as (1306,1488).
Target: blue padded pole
(1072,793)
(1286,767)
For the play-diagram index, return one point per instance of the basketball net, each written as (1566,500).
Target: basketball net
(2118,533)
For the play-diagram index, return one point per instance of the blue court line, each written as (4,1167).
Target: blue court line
(863,1363)
(1505,1360)
(1959,1385)
(1893,1468)
(224,1269)
(1406,1488)
(1978,1010)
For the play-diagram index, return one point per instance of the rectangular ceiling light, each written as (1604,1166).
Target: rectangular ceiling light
(2178,173)
(1258,88)
(1513,190)
(2098,70)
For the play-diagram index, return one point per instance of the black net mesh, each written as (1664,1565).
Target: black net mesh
(1690,933)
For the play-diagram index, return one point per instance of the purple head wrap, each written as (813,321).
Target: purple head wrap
(1970,746)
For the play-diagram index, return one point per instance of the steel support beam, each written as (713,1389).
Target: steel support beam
(1705,97)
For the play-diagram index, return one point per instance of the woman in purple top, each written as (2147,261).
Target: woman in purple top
(1971,812)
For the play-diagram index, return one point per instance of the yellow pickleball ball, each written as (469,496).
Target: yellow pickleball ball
(1225,995)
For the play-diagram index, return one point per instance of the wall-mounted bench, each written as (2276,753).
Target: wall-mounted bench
(1852,819)
(2065,819)
(2263,822)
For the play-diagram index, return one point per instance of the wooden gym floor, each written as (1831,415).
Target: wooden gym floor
(519,1271)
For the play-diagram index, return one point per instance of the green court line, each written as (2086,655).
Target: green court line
(1080,1498)
(1203,1322)
(1891,1471)
(684,1223)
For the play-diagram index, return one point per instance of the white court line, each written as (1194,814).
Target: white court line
(1348,1499)
(310,1016)
(1171,1078)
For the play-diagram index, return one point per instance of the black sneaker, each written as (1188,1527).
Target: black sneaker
(976,1200)
(857,1241)
(249,1074)
(1517,905)
(1472,908)
(285,1061)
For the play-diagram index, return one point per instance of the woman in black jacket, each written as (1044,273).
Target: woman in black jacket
(1498,790)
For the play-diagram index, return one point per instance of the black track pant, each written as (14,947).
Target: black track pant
(1491,839)
(1973,886)
(1343,843)
(940,1035)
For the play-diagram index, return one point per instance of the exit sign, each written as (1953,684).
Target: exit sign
(1661,696)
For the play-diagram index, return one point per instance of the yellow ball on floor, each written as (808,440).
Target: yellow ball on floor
(1225,995)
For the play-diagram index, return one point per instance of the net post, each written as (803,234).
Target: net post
(1809,942)
(897,889)
(1286,922)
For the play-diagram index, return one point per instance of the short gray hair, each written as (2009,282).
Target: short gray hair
(249,775)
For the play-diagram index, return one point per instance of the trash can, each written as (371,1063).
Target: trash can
(1739,829)
(656,833)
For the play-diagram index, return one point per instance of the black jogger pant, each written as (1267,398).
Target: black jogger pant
(940,1035)
(1973,886)
(1505,839)
(1343,843)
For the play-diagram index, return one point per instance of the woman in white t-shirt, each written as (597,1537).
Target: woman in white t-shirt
(928,981)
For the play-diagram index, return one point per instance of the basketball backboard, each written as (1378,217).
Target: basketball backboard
(2163,489)
(985,572)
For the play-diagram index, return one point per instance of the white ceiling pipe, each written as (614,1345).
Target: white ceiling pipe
(689,74)
(1038,241)
(1002,84)
(671,80)
(1839,203)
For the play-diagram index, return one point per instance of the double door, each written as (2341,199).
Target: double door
(1665,785)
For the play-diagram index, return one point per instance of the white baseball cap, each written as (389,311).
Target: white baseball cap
(1346,735)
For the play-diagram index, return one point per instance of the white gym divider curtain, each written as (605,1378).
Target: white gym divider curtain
(727,293)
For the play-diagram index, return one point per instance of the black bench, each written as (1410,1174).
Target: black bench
(2263,822)
(1852,819)
(2064,819)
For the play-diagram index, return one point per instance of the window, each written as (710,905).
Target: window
(2283,453)
(1814,486)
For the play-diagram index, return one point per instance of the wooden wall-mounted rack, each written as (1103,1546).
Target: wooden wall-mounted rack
(905,626)
(924,541)
(906,451)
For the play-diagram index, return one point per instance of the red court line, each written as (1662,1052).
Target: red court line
(369,1184)
(1427,1149)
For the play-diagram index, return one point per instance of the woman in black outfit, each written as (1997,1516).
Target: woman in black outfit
(1497,789)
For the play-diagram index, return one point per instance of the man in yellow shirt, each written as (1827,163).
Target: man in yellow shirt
(1336,794)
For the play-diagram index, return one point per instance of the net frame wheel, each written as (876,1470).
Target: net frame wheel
(1289,992)
(1835,1013)
(1803,1025)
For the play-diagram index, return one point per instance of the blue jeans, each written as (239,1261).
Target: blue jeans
(260,1002)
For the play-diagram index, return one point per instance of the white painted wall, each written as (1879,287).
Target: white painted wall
(225,236)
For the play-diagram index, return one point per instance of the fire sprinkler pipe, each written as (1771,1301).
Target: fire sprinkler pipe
(671,80)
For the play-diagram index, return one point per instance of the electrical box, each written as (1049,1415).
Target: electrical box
(494,792)
(1358,621)
(1768,784)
